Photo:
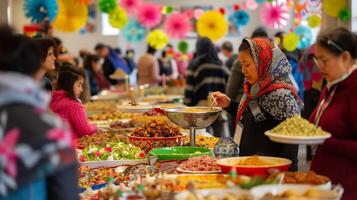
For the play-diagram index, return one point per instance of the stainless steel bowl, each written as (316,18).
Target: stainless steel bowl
(189,120)
(192,120)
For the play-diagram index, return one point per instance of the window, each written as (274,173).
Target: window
(107,29)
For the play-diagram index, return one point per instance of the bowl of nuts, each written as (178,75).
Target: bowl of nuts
(156,134)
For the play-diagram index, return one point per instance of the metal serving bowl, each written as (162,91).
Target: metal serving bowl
(187,120)
(201,118)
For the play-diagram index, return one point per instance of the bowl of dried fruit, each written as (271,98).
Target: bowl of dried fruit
(156,134)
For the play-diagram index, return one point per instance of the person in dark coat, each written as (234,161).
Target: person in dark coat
(269,98)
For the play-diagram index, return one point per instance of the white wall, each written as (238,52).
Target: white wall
(76,41)
(354,16)
(3,11)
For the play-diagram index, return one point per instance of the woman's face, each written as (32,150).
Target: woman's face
(248,67)
(78,87)
(49,63)
(96,66)
(330,65)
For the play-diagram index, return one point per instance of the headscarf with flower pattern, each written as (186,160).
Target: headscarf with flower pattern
(273,70)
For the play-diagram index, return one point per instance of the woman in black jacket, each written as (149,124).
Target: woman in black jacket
(269,98)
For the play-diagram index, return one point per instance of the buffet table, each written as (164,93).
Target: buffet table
(140,153)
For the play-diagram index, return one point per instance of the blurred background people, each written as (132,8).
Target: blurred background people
(227,51)
(206,74)
(148,68)
(96,79)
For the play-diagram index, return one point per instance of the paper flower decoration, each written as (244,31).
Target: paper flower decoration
(107,5)
(236,7)
(86,2)
(149,15)
(188,13)
(274,15)
(345,14)
(222,11)
(290,41)
(182,47)
(71,16)
(130,6)
(197,13)
(305,37)
(314,21)
(240,18)
(177,25)
(260,1)
(167,10)
(118,17)
(134,32)
(37,10)
(157,39)
(212,24)
(333,7)
(251,4)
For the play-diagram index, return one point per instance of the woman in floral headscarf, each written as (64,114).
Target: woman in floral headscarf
(269,98)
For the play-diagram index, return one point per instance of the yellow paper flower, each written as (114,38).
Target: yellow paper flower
(118,17)
(157,39)
(333,7)
(313,21)
(71,16)
(290,41)
(212,24)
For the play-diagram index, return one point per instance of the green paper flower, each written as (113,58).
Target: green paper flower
(345,14)
(169,9)
(107,5)
(182,46)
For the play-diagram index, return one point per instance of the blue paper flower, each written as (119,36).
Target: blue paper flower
(134,32)
(38,10)
(240,18)
(305,36)
(260,1)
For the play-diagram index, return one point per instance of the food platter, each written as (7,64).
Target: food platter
(179,153)
(200,165)
(162,98)
(296,130)
(219,194)
(267,163)
(297,139)
(179,169)
(294,191)
(106,96)
(113,163)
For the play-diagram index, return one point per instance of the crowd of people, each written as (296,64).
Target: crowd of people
(259,86)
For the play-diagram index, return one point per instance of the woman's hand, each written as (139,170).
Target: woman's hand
(219,99)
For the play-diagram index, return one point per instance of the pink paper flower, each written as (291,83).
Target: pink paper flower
(149,15)
(7,150)
(274,15)
(177,25)
(131,6)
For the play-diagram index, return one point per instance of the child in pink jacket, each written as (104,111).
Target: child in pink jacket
(65,101)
